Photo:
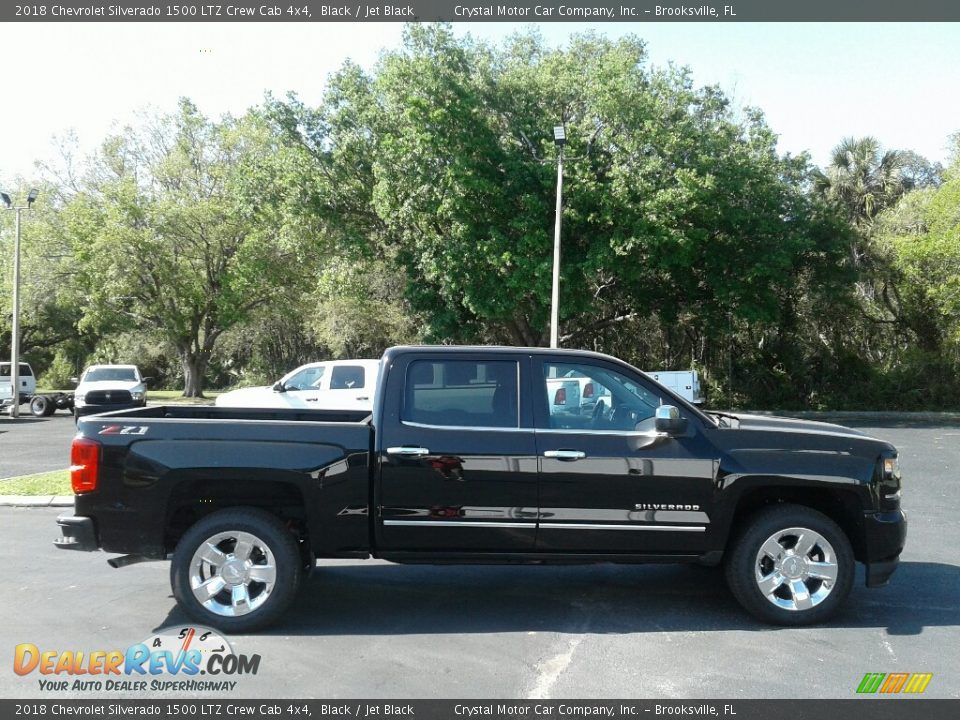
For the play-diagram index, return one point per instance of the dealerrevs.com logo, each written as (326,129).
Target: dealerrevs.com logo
(171,660)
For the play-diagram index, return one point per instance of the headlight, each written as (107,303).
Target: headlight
(137,396)
(891,467)
(78,399)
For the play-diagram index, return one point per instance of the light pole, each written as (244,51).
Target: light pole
(15,330)
(560,138)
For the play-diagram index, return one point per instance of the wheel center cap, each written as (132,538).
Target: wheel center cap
(793,567)
(234,572)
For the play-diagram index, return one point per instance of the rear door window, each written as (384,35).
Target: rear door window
(462,393)
(347,377)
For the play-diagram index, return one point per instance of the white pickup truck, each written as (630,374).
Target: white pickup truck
(328,385)
(42,405)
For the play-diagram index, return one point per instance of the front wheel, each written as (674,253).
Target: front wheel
(236,570)
(791,566)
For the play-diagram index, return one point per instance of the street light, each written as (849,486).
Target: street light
(15,331)
(560,138)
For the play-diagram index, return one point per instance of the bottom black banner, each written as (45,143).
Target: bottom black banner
(874,709)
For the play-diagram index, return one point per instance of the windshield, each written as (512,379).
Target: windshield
(120,374)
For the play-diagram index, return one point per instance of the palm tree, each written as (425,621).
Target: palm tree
(863,178)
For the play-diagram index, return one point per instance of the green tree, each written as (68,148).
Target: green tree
(182,229)
(49,312)
(676,205)
(923,235)
(358,308)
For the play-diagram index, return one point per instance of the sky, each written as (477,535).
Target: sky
(816,83)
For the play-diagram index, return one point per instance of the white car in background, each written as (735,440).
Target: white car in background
(328,385)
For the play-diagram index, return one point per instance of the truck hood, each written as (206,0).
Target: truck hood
(773,423)
(765,444)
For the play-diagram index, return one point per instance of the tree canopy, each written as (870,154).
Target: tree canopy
(676,203)
(181,229)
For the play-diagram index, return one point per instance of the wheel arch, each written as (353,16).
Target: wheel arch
(842,505)
(192,499)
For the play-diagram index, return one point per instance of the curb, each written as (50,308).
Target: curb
(36,501)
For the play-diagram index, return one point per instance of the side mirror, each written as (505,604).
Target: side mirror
(75,381)
(146,380)
(668,420)
(279,387)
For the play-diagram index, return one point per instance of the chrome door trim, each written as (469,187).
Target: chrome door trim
(462,428)
(462,523)
(602,526)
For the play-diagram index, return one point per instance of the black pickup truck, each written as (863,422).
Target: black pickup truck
(487,455)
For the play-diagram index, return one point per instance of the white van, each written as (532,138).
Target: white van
(685,383)
(328,385)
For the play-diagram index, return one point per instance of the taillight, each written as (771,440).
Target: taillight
(560,398)
(588,390)
(84,464)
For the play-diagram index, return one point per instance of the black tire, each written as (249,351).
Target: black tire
(277,541)
(814,584)
(40,406)
(308,562)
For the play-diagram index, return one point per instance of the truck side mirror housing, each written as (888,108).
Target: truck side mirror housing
(146,380)
(279,387)
(74,381)
(668,420)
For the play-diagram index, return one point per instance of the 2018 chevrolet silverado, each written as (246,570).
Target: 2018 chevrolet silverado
(465,459)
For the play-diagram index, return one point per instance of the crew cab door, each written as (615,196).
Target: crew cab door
(456,450)
(607,484)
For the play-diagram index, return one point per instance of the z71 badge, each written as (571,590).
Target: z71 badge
(125,430)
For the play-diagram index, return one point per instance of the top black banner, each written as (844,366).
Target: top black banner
(593,11)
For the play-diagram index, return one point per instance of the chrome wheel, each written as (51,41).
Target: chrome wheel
(796,568)
(232,573)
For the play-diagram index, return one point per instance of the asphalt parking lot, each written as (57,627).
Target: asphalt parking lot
(33,445)
(375,630)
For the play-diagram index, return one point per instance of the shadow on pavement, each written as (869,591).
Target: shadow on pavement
(421,599)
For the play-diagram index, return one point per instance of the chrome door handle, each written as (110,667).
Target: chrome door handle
(408,451)
(363,397)
(565,454)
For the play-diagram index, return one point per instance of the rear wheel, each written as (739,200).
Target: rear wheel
(40,406)
(791,566)
(236,570)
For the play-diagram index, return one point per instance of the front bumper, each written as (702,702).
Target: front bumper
(886,534)
(77,533)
